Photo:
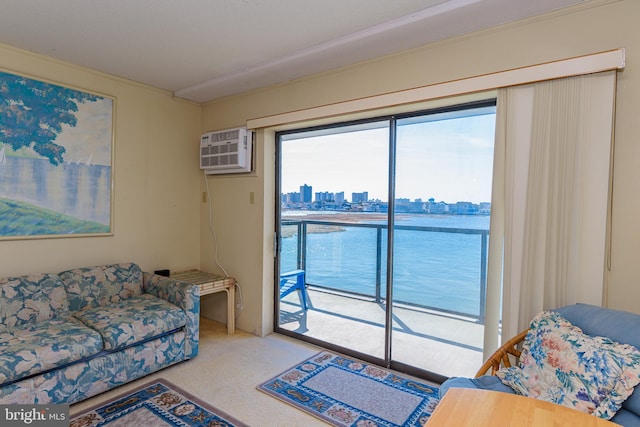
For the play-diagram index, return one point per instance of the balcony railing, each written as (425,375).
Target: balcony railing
(305,227)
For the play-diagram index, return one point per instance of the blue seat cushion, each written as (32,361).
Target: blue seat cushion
(486,382)
(38,347)
(133,320)
(620,326)
(626,418)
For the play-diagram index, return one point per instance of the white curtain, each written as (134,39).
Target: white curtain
(551,181)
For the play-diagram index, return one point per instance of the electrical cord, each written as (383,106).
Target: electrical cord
(214,239)
(214,236)
(239,305)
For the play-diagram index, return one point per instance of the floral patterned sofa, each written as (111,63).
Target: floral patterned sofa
(582,356)
(68,336)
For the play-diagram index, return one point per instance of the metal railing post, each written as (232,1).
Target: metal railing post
(302,246)
(483,277)
(379,265)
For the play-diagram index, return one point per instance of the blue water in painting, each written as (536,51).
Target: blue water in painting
(78,190)
(440,270)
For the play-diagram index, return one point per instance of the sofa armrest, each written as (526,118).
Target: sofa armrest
(184,295)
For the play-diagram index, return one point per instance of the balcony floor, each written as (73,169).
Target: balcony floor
(428,340)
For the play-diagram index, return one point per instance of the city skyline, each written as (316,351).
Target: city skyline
(341,195)
(306,199)
(449,160)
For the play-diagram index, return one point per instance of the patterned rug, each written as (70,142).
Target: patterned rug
(347,392)
(155,404)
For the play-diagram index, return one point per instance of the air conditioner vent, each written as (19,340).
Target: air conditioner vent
(226,151)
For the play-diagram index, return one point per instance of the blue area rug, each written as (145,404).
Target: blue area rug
(155,404)
(347,392)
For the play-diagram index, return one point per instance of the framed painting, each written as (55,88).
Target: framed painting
(56,160)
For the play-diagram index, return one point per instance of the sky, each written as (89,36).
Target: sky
(91,138)
(448,160)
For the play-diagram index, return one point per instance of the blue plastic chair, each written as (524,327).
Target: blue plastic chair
(294,281)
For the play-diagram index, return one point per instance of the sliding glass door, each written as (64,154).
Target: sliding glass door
(382,237)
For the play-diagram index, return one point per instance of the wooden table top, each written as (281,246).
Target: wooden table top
(471,407)
(208,282)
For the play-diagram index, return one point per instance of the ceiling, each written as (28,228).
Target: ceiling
(206,49)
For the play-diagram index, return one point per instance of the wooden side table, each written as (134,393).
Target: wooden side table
(209,284)
(485,408)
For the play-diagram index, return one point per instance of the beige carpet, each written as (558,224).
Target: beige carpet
(226,372)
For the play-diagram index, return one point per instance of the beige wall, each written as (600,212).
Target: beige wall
(156,217)
(245,239)
(244,232)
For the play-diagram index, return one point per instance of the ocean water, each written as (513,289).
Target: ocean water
(440,270)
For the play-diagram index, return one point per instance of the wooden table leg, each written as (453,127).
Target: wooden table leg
(231,309)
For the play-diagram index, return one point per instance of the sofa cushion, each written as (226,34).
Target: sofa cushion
(37,347)
(606,322)
(625,418)
(31,299)
(102,285)
(562,365)
(133,320)
(632,403)
(485,382)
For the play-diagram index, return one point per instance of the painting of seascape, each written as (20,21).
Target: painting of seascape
(56,152)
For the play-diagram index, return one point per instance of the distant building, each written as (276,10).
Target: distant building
(465,208)
(291,198)
(485,208)
(324,197)
(434,207)
(306,193)
(339,198)
(402,205)
(360,197)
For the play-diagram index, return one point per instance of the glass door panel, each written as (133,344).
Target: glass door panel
(443,177)
(333,217)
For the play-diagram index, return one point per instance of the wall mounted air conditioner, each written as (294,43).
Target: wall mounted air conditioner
(226,151)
